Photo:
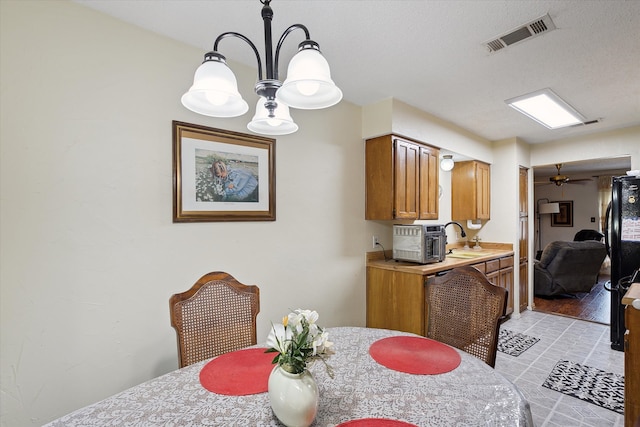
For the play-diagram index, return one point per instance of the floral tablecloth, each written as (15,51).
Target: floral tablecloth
(473,394)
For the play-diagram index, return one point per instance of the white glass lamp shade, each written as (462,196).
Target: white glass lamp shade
(215,92)
(308,85)
(549,208)
(281,124)
(446,164)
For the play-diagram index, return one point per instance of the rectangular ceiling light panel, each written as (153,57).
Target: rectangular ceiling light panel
(546,108)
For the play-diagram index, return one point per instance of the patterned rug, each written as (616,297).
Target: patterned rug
(589,384)
(514,343)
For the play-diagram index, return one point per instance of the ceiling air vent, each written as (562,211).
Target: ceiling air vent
(539,26)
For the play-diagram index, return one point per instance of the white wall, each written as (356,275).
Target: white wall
(584,196)
(619,143)
(504,223)
(503,226)
(89,253)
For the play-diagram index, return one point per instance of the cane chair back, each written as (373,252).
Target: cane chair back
(217,315)
(464,310)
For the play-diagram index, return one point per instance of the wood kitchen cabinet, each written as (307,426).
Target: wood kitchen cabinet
(500,272)
(396,296)
(523,239)
(632,358)
(395,300)
(506,280)
(470,191)
(401,179)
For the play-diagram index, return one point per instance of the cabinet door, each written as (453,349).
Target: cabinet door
(407,166)
(395,300)
(523,239)
(505,280)
(470,191)
(493,277)
(483,190)
(524,291)
(379,178)
(429,191)
(631,363)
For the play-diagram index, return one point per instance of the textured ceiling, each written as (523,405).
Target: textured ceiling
(431,54)
(585,169)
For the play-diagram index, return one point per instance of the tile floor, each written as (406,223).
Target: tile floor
(561,337)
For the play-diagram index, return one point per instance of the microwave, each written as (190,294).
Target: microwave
(421,243)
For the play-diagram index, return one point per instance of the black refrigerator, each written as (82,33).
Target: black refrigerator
(622,239)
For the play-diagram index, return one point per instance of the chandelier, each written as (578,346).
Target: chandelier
(308,85)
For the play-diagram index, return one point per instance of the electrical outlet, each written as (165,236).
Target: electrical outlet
(376,241)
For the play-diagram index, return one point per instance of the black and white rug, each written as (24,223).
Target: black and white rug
(514,343)
(590,384)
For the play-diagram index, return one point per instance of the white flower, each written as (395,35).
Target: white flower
(279,338)
(295,319)
(310,316)
(298,340)
(321,343)
(313,330)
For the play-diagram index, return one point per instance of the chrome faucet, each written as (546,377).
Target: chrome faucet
(462,233)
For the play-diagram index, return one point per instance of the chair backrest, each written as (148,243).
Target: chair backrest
(586,234)
(217,315)
(464,310)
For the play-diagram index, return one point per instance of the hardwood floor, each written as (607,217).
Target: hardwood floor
(593,306)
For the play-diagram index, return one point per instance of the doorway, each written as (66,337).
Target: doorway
(594,306)
(581,189)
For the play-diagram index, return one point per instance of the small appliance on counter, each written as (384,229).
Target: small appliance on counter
(419,243)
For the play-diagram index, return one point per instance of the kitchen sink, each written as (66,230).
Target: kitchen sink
(465,255)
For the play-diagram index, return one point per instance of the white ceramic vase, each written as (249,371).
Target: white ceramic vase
(293,397)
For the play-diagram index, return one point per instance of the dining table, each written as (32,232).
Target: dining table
(377,377)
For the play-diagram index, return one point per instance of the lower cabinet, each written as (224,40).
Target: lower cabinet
(396,299)
(632,358)
(500,272)
(524,280)
(506,279)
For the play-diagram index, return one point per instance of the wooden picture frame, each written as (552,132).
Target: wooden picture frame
(220,175)
(564,218)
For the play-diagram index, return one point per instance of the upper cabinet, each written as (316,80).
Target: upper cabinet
(401,179)
(470,191)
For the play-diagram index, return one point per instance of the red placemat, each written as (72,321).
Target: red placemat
(415,355)
(238,373)
(375,422)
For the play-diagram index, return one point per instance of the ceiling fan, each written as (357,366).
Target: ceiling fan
(560,179)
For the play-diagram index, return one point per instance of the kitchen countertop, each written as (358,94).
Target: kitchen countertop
(489,252)
(632,294)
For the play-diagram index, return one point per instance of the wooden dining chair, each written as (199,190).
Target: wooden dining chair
(217,315)
(464,310)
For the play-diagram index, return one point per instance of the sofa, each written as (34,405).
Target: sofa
(588,235)
(568,267)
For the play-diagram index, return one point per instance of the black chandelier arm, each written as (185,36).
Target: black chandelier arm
(284,36)
(249,42)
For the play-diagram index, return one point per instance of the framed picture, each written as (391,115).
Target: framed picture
(220,175)
(564,218)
